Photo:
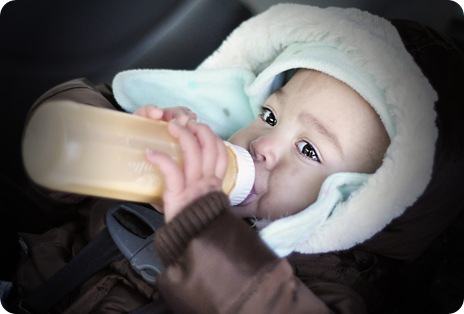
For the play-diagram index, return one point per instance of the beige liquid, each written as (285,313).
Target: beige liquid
(82,149)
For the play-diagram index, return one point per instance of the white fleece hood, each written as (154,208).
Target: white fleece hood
(362,50)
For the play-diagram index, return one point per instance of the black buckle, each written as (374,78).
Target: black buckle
(133,229)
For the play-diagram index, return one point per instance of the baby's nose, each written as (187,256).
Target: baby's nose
(265,150)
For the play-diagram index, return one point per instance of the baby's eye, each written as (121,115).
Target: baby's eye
(268,116)
(308,150)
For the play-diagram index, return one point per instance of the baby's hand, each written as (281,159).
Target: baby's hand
(204,165)
(166,114)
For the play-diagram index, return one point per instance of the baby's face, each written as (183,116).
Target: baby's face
(311,128)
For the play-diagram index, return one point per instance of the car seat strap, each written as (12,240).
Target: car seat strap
(129,234)
(97,254)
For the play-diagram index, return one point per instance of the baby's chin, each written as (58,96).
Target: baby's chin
(243,211)
(252,212)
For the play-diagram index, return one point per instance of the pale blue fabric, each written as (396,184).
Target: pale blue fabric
(283,236)
(216,96)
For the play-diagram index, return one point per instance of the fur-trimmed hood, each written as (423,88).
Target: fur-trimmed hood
(249,58)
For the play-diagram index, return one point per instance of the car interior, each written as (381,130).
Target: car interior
(44,43)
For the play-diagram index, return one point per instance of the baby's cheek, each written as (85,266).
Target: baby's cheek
(305,191)
(283,199)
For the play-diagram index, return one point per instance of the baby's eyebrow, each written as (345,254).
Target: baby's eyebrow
(308,119)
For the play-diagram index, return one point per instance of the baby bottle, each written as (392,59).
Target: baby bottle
(82,149)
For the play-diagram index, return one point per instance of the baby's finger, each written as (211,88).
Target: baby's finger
(182,120)
(172,173)
(191,152)
(208,143)
(178,112)
(149,111)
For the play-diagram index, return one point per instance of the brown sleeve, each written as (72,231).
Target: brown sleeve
(216,263)
(82,91)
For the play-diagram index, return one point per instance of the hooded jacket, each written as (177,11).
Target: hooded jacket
(393,216)
(360,49)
